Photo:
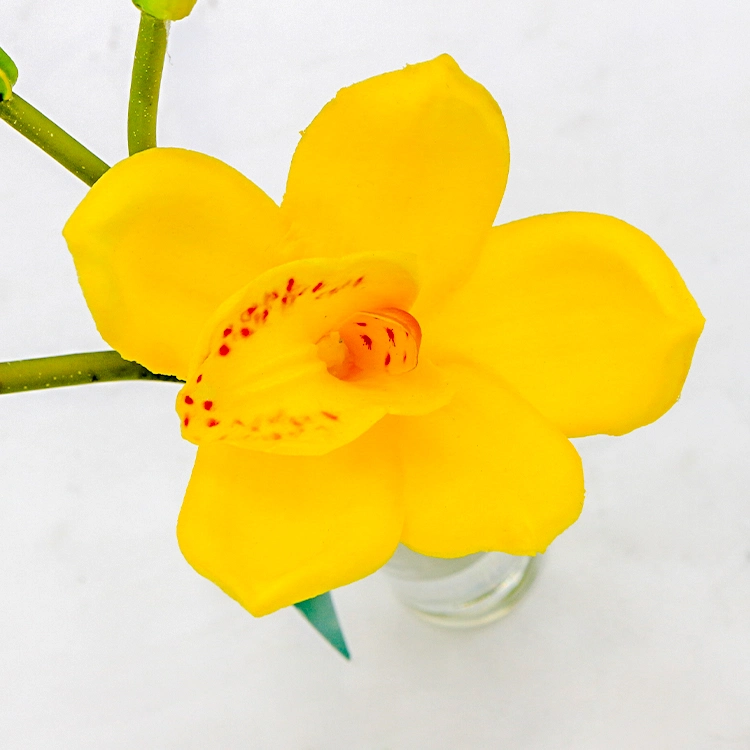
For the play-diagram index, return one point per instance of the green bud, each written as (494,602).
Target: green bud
(8,75)
(166,10)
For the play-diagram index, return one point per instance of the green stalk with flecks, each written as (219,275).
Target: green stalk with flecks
(52,139)
(71,369)
(148,65)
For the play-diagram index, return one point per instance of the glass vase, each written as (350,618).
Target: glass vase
(460,592)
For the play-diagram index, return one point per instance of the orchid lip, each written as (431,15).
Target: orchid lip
(372,342)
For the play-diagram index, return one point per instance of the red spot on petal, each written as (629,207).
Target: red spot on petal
(404,356)
(212,423)
(290,285)
(329,415)
(186,421)
(364,325)
(284,300)
(227,331)
(317,286)
(367,341)
(207,405)
(188,400)
(391,336)
(387,359)
(245,332)
(248,313)
(199,378)
(265,314)
(359,281)
(224,350)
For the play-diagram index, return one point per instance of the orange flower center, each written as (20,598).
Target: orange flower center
(383,341)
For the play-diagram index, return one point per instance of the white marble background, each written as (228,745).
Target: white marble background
(637,635)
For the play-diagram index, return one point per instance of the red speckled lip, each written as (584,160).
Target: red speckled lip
(271,332)
(381,341)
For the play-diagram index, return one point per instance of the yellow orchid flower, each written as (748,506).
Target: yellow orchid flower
(373,361)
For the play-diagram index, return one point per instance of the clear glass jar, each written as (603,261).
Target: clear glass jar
(460,592)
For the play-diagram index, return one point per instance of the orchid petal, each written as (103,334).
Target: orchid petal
(581,313)
(410,161)
(275,530)
(485,473)
(159,242)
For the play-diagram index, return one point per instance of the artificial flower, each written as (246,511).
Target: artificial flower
(372,362)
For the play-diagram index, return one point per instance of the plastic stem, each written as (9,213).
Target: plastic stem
(52,139)
(71,369)
(148,65)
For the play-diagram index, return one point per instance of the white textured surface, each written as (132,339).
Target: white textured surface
(637,634)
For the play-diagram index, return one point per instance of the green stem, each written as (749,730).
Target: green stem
(52,139)
(71,369)
(148,65)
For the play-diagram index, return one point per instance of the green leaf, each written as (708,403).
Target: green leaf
(322,616)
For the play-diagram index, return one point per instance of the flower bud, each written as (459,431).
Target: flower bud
(166,10)
(8,75)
